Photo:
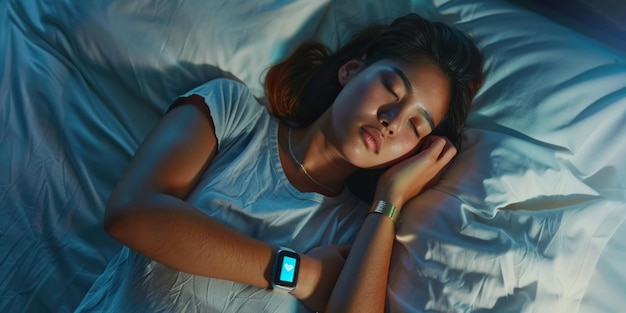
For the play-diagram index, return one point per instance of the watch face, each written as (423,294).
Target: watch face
(286,274)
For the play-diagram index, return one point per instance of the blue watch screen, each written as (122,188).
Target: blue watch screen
(285,272)
(288,269)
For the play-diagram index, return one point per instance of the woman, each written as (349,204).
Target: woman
(224,201)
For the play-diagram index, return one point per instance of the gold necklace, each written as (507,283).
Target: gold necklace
(304,169)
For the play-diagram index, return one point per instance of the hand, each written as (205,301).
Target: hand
(318,273)
(410,177)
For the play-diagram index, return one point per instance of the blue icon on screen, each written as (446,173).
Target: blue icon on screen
(288,269)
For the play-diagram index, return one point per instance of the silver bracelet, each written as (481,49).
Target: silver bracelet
(387,209)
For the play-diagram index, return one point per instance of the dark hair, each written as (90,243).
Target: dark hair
(303,86)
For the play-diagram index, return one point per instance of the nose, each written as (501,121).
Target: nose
(388,120)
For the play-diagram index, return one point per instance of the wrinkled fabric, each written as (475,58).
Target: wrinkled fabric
(529,217)
(245,189)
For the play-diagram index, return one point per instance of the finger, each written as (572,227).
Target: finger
(446,158)
(428,141)
(451,148)
(434,147)
(441,144)
(448,152)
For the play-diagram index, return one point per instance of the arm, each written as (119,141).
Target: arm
(146,211)
(362,284)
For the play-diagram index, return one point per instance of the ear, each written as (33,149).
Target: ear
(348,70)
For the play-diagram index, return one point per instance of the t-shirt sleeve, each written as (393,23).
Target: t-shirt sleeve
(233,108)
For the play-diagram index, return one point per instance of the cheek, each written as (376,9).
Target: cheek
(361,97)
(404,147)
(343,107)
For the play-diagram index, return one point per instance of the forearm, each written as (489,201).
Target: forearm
(173,232)
(362,284)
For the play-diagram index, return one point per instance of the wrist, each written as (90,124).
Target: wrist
(388,196)
(385,208)
(285,270)
(309,276)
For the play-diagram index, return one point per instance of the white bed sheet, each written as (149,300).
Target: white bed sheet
(530,218)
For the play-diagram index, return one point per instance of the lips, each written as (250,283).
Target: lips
(373,138)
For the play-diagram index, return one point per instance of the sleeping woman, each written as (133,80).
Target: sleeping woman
(231,207)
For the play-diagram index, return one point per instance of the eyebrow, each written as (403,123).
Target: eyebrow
(409,88)
(405,80)
(428,117)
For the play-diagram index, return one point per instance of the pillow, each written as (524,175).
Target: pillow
(552,100)
(536,191)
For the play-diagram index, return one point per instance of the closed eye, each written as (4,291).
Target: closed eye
(415,128)
(387,85)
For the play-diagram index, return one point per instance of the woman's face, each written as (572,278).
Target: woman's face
(386,109)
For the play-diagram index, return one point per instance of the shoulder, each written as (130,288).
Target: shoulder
(225,97)
(231,106)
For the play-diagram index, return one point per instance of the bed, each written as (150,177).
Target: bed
(529,218)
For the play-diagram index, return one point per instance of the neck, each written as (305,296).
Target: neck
(325,170)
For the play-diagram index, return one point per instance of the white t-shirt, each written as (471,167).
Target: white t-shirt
(246,189)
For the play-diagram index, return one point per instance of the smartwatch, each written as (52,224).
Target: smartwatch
(285,270)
